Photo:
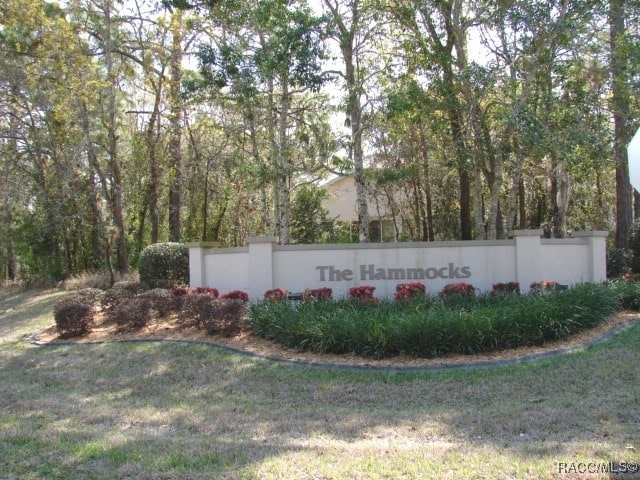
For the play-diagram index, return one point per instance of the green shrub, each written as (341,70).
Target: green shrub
(618,262)
(430,327)
(73,316)
(628,293)
(634,247)
(163,265)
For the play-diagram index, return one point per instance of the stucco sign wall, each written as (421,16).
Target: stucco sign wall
(263,265)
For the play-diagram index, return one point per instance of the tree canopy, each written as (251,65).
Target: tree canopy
(129,123)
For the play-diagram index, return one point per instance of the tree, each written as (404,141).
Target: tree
(620,105)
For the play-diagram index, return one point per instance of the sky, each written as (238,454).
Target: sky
(634,161)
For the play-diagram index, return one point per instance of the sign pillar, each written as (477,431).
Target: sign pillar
(528,257)
(597,253)
(260,266)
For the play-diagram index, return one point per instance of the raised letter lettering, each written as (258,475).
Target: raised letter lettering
(415,273)
(396,274)
(322,269)
(453,271)
(465,272)
(442,273)
(381,274)
(431,273)
(366,272)
(347,275)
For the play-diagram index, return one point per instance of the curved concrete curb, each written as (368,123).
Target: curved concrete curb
(34,340)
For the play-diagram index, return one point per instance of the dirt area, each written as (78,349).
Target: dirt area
(169,329)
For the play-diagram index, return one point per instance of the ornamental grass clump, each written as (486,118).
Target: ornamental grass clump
(430,328)
(628,293)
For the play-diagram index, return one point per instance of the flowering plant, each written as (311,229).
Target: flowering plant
(179,291)
(275,295)
(508,287)
(315,294)
(364,293)
(236,295)
(406,291)
(543,286)
(454,290)
(205,291)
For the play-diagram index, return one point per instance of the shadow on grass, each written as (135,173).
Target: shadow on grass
(22,310)
(174,411)
(154,410)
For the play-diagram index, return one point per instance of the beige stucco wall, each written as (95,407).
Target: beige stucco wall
(528,258)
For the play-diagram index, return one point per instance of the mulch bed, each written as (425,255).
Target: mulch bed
(169,329)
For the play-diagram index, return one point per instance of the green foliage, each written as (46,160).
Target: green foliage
(164,265)
(309,219)
(619,262)
(429,327)
(628,293)
(634,247)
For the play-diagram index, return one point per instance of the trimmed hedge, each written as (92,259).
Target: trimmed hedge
(432,327)
(164,265)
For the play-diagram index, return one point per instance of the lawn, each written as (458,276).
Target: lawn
(176,411)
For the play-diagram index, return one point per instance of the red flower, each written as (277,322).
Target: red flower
(275,295)
(361,293)
(236,295)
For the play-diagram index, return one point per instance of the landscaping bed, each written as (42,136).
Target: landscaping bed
(556,320)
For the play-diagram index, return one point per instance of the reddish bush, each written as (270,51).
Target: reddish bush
(406,291)
(162,301)
(114,297)
(225,317)
(455,290)
(132,314)
(363,293)
(217,316)
(73,316)
(205,291)
(316,294)
(275,295)
(236,295)
(179,291)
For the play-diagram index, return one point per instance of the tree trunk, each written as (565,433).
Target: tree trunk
(620,101)
(112,147)
(175,122)
(347,37)
(283,164)
(478,202)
